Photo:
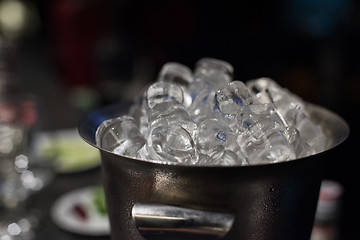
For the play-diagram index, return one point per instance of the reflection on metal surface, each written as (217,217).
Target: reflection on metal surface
(153,219)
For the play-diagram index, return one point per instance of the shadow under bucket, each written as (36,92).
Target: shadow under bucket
(148,200)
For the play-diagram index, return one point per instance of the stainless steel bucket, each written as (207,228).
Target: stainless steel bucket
(148,200)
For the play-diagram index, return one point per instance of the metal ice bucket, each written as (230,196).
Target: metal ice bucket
(150,200)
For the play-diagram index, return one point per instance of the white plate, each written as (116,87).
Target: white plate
(64,216)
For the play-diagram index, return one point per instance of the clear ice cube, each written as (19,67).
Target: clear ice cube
(264,89)
(138,112)
(172,113)
(120,136)
(219,155)
(210,74)
(171,143)
(312,134)
(231,99)
(143,153)
(265,142)
(212,67)
(301,148)
(267,90)
(176,73)
(213,132)
(168,110)
(202,106)
(250,114)
(163,92)
(180,74)
(172,133)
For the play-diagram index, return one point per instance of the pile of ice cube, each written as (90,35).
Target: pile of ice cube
(206,118)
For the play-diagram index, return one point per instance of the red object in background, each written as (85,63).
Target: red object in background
(8,112)
(24,112)
(80,211)
(28,113)
(75,28)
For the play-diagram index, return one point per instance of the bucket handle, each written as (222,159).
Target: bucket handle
(154,220)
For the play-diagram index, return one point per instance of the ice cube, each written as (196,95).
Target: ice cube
(213,132)
(180,74)
(202,106)
(167,110)
(143,153)
(231,99)
(120,135)
(171,143)
(210,74)
(211,67)
(253,113)
(219,155)
(172,134)
(312,134)
(172,113)
(138,112)
(176,73)
(267,90)
(163,92)
(265,142)
(264,89)
(301,148)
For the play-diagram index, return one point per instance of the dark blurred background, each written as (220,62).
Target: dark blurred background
(76,55)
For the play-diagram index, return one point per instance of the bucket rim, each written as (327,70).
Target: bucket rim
(123,107)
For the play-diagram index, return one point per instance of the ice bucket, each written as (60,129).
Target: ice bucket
(151,200)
